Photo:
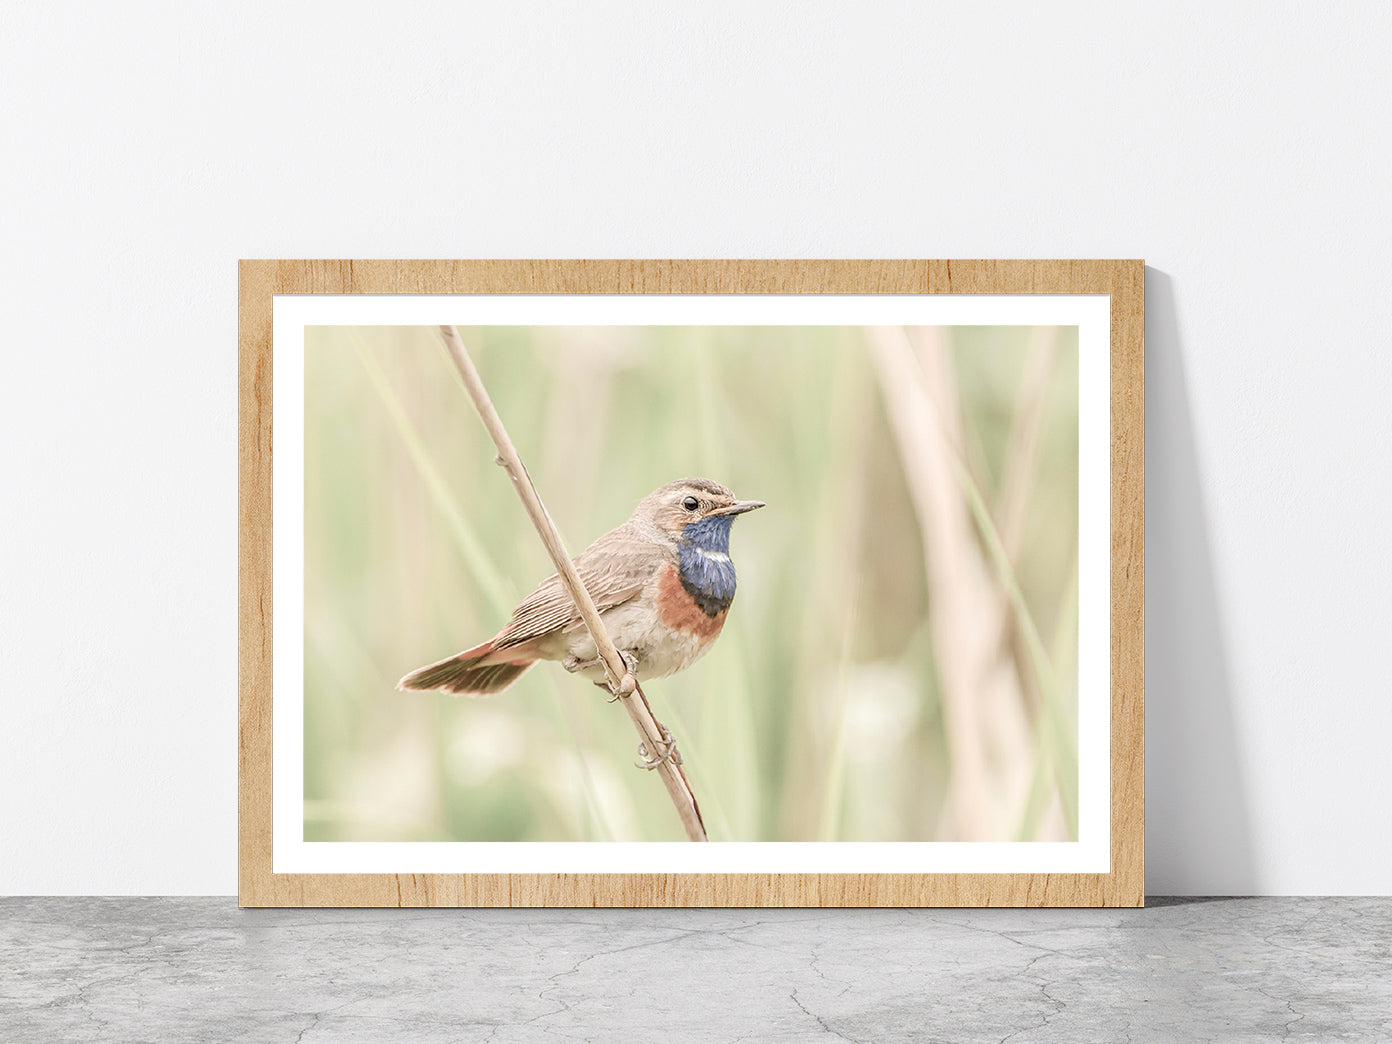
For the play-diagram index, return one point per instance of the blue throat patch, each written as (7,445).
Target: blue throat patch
(707,574)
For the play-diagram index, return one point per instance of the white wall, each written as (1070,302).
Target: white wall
(1243,152)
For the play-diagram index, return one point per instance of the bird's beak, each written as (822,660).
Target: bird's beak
(739,507)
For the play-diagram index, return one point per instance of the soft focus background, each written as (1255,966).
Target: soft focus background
(899,661)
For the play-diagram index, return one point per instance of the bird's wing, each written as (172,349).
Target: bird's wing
(613,569)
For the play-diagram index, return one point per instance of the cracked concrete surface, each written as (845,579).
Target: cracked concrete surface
(1232,970)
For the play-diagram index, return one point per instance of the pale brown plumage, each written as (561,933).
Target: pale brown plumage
(613,569)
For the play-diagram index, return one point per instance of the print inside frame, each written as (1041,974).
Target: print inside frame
(296,315)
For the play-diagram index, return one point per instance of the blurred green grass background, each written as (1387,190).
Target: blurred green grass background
(835,706)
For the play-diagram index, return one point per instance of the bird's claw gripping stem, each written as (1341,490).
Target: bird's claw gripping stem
(629,682)
(669,752)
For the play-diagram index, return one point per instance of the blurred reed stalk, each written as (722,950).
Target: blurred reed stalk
(1018,484)
(1028,422)
(1017,488)
(655,738)
(989,735)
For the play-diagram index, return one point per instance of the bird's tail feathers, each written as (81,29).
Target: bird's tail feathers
(474,672)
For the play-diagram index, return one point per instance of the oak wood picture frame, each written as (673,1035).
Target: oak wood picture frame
(1122,280)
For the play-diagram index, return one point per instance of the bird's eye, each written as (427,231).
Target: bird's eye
(690,503)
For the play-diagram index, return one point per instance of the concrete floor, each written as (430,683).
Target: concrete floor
(113,970)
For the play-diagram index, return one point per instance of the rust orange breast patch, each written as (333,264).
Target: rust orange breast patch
(679,611)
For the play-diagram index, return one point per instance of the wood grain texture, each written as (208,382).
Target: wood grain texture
(1123,280)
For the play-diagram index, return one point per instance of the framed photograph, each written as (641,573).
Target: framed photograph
(802,583)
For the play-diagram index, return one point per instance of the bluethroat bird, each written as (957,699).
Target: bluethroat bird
(662,582)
